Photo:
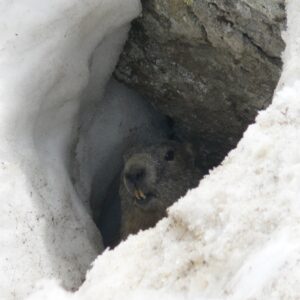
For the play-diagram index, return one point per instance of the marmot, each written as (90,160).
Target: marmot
(153,178)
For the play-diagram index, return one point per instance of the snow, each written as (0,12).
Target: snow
(236,236)
(45,52)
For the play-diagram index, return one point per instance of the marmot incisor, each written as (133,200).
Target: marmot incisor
(153,178)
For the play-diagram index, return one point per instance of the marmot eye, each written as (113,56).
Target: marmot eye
(169,155)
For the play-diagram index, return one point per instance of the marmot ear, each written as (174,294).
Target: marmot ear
(191,153)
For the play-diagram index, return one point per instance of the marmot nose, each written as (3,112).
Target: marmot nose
(135,176)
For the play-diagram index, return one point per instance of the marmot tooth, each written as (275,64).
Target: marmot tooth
(142,195)
(136,194)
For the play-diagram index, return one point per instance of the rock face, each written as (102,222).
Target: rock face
(210,65)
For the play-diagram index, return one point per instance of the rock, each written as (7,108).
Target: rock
(210,65)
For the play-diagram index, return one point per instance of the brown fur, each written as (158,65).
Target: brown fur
(154,178)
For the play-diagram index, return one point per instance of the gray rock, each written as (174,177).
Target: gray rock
(210,65)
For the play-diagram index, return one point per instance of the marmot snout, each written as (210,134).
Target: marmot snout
(140,176)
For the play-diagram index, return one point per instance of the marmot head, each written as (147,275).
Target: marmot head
(156,176)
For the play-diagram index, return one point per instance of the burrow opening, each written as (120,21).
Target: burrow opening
(198,90)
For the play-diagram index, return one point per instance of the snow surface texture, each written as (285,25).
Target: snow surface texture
(237,235)
(45,51)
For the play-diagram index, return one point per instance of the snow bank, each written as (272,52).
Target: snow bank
(45,52)
(236,236)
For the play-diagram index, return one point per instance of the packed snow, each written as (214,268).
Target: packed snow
(236,236)
(45,51)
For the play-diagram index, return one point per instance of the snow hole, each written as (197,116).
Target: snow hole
(113,119)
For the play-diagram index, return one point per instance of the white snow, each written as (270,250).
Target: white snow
(236,236)
(45,52)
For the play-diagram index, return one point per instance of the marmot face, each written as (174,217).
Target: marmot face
(153,178)
(140,177)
